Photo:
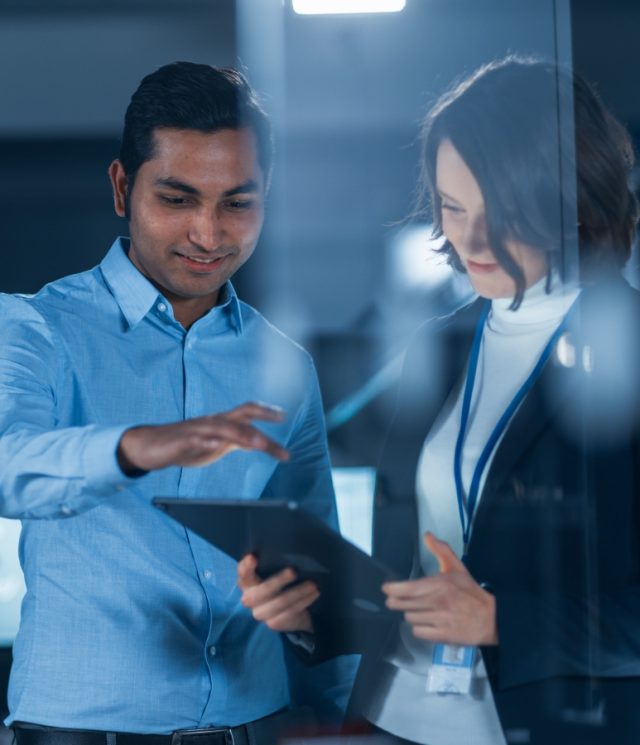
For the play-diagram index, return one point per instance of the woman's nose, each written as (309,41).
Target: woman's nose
(474,238)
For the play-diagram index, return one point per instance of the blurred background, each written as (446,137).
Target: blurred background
(338,267)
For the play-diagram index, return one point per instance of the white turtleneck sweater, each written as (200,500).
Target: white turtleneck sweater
(512,343)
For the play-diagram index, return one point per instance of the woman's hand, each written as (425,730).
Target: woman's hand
(450,607)
(270,602)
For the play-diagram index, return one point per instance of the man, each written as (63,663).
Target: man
(114,384)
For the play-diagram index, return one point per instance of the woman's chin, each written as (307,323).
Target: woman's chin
(494,287)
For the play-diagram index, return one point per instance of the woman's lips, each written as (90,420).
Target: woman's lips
(478,267)
(202,266)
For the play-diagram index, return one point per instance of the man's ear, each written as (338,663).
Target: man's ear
(120,186)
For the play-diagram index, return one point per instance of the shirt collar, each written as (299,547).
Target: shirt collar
(228,301)
(132,290)
(136,296)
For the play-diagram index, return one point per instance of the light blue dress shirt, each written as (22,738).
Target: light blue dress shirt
(131,623)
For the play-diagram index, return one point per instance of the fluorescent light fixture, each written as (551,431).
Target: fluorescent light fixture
(319,7)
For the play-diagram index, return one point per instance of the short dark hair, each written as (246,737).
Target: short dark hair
(187,95)
(512,148)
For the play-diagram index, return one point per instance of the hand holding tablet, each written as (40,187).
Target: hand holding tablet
(330,573)
(274,601)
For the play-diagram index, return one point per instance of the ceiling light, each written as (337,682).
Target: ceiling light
(318,7)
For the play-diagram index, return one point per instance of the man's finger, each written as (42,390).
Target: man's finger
(295,618)
(447,560)
(291,602)
(256,410)
(237,434)
(269,588)
(270,447)
(247,576)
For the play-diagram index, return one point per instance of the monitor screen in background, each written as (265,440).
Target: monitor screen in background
(11,581)
(354,497)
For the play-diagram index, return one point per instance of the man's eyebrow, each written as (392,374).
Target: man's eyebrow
(173,183)
(248,187)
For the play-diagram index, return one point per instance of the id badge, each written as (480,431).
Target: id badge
(451,669)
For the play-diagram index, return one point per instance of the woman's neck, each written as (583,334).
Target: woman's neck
(538,307)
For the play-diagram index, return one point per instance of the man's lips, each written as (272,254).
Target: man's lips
(201,264)
(479,267)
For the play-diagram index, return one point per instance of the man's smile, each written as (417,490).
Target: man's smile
(202,264)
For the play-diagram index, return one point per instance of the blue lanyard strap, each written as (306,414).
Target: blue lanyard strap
(467,506)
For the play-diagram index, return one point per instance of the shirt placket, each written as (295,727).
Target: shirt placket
(193,407)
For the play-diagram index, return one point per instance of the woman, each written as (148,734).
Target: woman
(515,441)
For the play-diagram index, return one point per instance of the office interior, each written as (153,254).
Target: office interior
(340,267)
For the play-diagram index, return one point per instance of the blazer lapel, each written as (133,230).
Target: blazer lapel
(434,365)
(433,368)
(556,388)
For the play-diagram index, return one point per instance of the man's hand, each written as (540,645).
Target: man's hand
(281,609)
(449,608)
(200,441)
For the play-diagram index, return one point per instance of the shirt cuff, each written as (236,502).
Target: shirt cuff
(304,640)
(102,472)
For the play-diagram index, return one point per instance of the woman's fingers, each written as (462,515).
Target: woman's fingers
(447,559)
(435,633)
(432,618)
(411,589)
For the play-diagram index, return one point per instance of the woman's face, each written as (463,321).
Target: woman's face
(464,226)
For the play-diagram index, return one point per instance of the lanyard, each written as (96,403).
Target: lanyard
(466,507)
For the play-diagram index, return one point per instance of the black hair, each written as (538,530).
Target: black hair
(503,120)
(187,95)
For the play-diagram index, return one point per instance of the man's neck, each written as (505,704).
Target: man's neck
(188,310)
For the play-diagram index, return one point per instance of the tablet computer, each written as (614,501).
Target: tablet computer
(281,534)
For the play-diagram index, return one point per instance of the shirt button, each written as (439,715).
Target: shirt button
(162,307)
(207,574)
(212,651)
(66,510)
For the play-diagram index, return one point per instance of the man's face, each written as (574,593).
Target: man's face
(195,211)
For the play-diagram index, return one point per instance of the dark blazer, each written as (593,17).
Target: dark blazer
(557,532)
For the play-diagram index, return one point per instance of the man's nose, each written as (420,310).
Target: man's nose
(206,230)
